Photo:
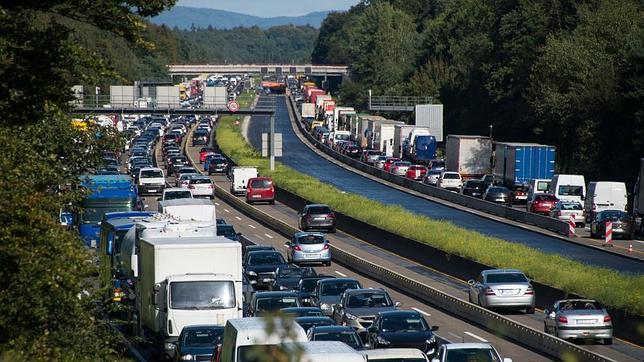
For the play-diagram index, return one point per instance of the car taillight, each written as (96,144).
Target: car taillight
(330,216)
(325,247)
(297,248)
(489,291)
(594,207)
(210,186)
(607,318)
(563,319)
(529,291)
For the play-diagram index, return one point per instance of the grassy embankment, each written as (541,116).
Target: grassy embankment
(610,287)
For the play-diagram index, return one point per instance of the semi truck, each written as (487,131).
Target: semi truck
(185,281)
(518,163)
(423,149)
(638,201)
(401,132)
(468,155)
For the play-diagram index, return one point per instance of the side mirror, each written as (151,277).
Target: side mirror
(146,206)
(546,311)
(239,234)
(156,295)
(434,328)
(158,199)
(287,244)
(471,282)
(397,304)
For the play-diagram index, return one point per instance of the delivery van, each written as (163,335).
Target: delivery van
(605,195)
(568,188)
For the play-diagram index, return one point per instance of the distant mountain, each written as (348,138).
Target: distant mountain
(185,17)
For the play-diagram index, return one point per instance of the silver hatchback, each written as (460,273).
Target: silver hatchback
(579,319)
(502,288)
(307,247)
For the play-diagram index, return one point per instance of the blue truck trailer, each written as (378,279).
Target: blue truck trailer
(424,149)
(518,163)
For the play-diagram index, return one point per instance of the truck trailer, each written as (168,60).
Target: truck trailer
(468,155)
(517,163)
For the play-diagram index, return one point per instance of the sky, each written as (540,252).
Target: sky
(271,8)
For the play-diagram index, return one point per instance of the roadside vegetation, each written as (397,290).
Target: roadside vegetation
(610,287)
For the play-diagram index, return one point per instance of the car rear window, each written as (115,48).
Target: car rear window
(310,239)
(317,210)
(451,176)
(570,206)
(201,181)
(151,173)
(506,278)
(261,184)
(498,189)
(571,190)
(171,195)
(545,198)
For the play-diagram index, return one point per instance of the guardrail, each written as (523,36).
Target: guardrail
(509,213)
(500,324)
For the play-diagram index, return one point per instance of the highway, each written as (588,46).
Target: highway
(452,327)
(300,157)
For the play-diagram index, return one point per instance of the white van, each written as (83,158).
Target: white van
(151,180)
(538,186)
(240,335)
(323,351)
(395,354)
(568,188)
(239,177)
(605,195)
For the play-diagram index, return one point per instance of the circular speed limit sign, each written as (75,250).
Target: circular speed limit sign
(233,106)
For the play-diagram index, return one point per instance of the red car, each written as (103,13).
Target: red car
(205,151)
(416,172)
(260,189)
(541,204)
(388,163)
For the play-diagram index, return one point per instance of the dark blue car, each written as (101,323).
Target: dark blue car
(197,343)
(402,329)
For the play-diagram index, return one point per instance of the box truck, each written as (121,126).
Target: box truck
(430,116)
(401,132)
(186,281)
(517,163)
(384,136)
(468,155)
(308,111)
(189,209)
(423,149)
(638,201)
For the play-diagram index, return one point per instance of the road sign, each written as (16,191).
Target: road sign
(233,106)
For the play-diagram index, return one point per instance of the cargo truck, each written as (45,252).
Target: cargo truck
(401,132)
(186,281)
(410,141)
(468,155)
(308,111)
(638,201)
(189,209)
(384,137)
(423,149)
(518,163)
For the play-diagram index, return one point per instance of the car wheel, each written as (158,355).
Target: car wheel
(272,202)
(608,341)
(333,230)
(328,263)
(530,310)
(592,234)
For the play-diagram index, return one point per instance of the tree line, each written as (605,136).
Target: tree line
(569,73)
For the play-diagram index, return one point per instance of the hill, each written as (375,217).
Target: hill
(185,17)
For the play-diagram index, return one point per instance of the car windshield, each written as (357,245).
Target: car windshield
(405,323)
(318,210)
(172,195)
(571,190)
(349,337)
(310,239)
(542,186)
(612,215)
(506,278)
(475,184)
(342,137)
(338,287)
(292,272)
(151,174)
(571,206)
(93,215)
(275,303)
(451,176)
(206,337)
(471,354)
(228,232)
(202,295)
(261,184)
(308,285)
(369,300)
(187,170)
(266,259)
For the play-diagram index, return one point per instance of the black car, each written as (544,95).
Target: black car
(228,231)
(260,267)
(199,342)
(474,188)
(352,151)
(248,248)
(271,302)
(288,278)
(217,165)
(303,311)
(336,333)
(621,223)
(402,329)
(306,287)
(307,322)
(499,195)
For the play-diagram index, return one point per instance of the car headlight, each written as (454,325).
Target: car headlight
(283,287)
(382,341)
(170,346)
(251,273)
(325,306)
(431,340)
(350,316)
(186,357)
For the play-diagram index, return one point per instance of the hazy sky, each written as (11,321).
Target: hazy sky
(271,8)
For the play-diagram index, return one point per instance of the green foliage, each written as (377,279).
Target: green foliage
(564,72)
(611,287)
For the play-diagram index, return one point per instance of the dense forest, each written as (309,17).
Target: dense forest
(566,72)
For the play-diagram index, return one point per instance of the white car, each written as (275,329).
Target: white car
(468,352)
(173,193)
(202,186)
(450,180)
(151,180)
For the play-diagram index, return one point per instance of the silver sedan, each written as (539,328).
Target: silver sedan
(502,288)
(307,247)
(579,319)
(400,168)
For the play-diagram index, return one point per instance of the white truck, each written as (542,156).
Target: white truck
(383,136)
(401,132)
(308,110)
(468,155)
(186,281)
(239,176)
(150,180)
(189,210)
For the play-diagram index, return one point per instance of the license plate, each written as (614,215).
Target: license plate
(151,190)
(257,196)
(509,291)
(318,218)
(311,256)
(500,200)
(585,321)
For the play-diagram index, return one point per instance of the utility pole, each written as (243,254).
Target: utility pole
(272,136)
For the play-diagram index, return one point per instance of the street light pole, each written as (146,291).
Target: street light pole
(272,137)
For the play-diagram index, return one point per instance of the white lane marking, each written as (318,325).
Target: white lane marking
(216,203)
(421,312)
(341,274)
(475,336)
(226,210)
(237,217)
(252,226)
(268,236)
(259,237)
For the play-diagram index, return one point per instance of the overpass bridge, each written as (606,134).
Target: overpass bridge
(186,70)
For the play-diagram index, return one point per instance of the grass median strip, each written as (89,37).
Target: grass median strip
(612,288)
